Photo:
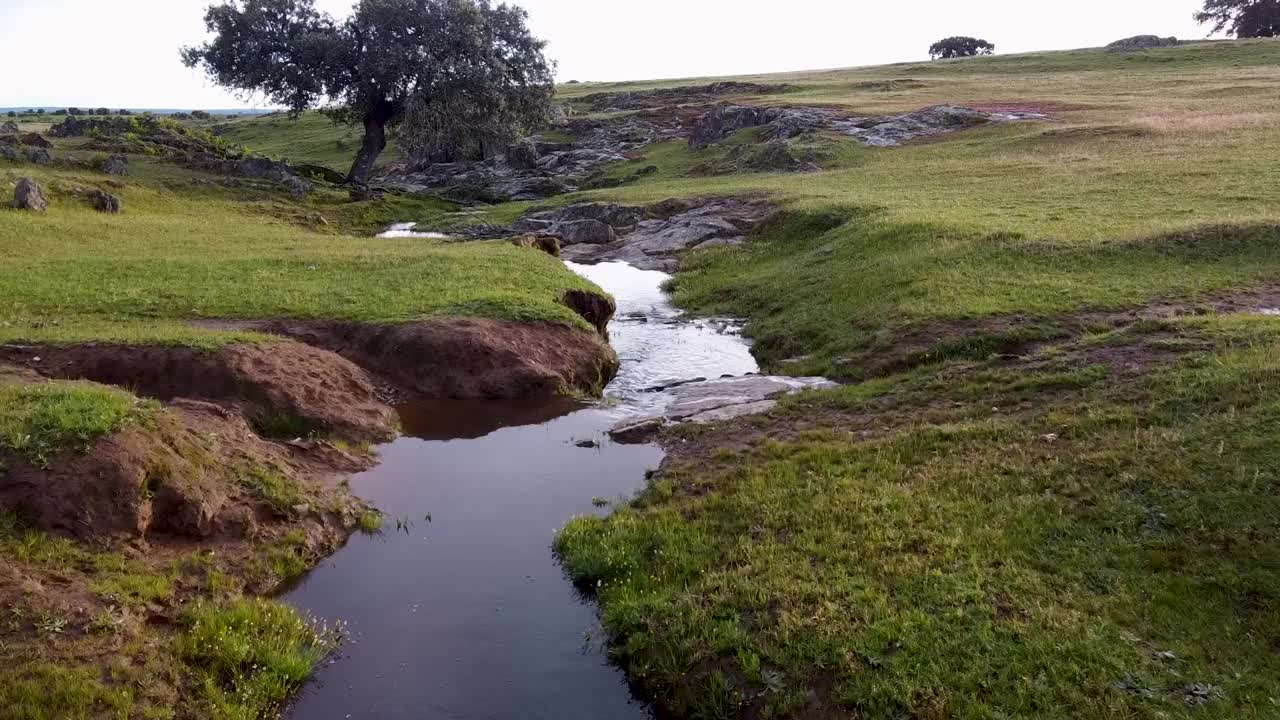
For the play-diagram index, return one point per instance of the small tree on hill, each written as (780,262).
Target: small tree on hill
(456,76)
(1242,18)
(960,46)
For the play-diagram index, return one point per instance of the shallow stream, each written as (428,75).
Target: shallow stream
(459,610)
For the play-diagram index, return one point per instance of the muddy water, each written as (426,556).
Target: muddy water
(458,610)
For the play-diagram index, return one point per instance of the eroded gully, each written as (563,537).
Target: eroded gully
(459,610)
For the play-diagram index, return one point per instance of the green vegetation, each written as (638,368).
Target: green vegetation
(310,138)
(253,655)
(37,420)
(275,489)
(1043,496)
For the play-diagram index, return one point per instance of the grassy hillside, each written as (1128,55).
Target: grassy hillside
(309,138)
(1049,489)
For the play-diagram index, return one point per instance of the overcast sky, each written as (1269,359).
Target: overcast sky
(124,53)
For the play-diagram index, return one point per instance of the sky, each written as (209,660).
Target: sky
(124,53)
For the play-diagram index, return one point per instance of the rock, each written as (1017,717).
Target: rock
(29,196)
(34,140)
(773,156)
(320,172)
(547,243)
(9,152)
(586,232)
(715,401)
(105,202)
(780,123)
(654,243)
(115,165)
(890,131)
(1142,42)
(9,128)
(38,155)
(594,308)
(297,187)
(523,155)
(587,444)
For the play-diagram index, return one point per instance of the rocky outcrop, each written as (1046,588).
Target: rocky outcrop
(1142,42)
(585,232)
(651,238)
(777,123)
(9,127)
(28,195)
(38,156)
(34,140)
(714,401)
(663,97)
(773,156)
(897,129)
(115,165)
(104,202)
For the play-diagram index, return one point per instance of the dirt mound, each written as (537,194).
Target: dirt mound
(186,473)
(468,358)
(286,388)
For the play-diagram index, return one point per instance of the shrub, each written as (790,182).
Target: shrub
(960,46)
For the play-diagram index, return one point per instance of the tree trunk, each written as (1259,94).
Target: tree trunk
(375,141)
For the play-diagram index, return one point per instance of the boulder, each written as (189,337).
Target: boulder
(115,165)
(9,128)
(1141,42)
(297,187)
(9,152)
(320,172)
(34,140)
(523,155)
(38,155)
(105,202)
(586,232)
(29,196)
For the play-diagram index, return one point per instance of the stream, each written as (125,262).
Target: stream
(459,609)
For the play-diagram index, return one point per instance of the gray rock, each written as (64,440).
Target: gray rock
(297,187)
(1142,42)
(9,152)
(715,401)
(38,155)
(105,202)
(586,232)
(891,131)
(9,127)
(523,155)
(34,140)
(29,196)
(115,165)
(779,123)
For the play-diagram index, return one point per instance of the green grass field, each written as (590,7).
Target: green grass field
(1041,495)
(310,138)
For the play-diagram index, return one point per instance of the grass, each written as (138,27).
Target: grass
(311,138)
(252,654)
(37,420)
(184,254)
(275,489)
(1046,505)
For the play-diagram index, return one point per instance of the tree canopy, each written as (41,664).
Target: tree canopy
(1242,18)
(960,46)
(459,77)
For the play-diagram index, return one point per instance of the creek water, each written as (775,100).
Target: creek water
(459,610)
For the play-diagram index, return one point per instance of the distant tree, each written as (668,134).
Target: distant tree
(122,111)
(180,116)
(201,115)
(13,114)
(102,111)
(1242,18)
(39,111)
(74,111)
(455,76)
(960,46)
(62,111)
